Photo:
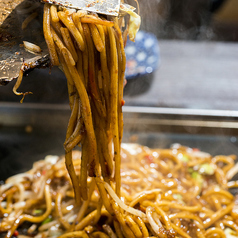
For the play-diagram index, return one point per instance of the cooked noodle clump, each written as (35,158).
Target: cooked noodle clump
(177,192)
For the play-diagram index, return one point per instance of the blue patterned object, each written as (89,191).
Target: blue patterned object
(142,55)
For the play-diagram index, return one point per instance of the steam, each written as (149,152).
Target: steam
(176,19)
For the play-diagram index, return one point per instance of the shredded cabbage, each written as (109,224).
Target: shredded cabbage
(230,233)
(134,23)
(178,197)
(198,177)
(183,158)
(121,204)
(206,169)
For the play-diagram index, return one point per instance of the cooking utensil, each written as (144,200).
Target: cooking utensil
(12,52)
(107,7)
(12,35)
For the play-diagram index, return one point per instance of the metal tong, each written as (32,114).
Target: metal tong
(12,35)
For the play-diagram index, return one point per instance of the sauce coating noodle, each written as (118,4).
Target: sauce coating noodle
(164,193)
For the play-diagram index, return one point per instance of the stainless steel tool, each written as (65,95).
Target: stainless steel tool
(12,52)
(107,7)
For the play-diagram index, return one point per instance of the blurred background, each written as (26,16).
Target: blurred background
(182,82)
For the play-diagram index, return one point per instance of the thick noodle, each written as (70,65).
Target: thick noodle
(154,202)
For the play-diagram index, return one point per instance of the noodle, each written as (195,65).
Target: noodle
(72,28)
(69,43)
(28,20)
(18,83)
(48,37)
(149,212)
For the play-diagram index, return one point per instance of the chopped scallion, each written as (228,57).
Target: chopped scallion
(47,220)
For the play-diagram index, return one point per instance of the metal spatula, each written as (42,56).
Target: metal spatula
(12,36)
(107,7)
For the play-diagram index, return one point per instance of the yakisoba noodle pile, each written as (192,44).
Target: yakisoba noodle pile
(95,69)
(90,51)
(177,192)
